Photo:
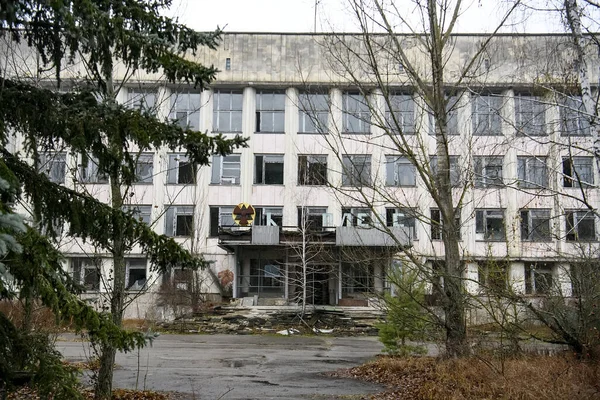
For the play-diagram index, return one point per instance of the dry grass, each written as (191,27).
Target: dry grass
(540,377)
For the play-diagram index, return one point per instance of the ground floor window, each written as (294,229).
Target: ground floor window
(538,278)
(266,278)
(86,272)
(356,278)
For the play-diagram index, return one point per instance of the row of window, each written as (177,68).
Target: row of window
(490,224)
(180,170)
(312,170)
(399,115)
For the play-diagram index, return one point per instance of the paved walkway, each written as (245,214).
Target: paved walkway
(241,367)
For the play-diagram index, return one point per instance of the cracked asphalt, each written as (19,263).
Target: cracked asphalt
(239,367)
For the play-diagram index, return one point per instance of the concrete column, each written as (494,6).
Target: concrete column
(561,272)
(471,277)
(516,277)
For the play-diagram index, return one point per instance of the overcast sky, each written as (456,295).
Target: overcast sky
(299,16)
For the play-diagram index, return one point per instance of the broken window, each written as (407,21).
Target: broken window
(186,110)
(400,114)
(270,112)
(530,115)
(143,100)
(268,216)
(135,274)
(179,220)
(486,114)
(226,170)
(403,217)
(269,169)
(532,172)
(580,225)
(227,111)
(578,171)
(356,170)
(144,168)
(488,171)
(454,172)
(313,113)
(312,218)
(535,225)
(489,225)
(312,170)
(357,216)
(181,170)
(399,171)
(356,113)
(437,223)
(538,278)
(86,272)
(573,118)
(54,166)
(89,171)
(221,217)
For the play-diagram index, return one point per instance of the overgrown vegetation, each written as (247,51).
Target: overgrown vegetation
(532,377)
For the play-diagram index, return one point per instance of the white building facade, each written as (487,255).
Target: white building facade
(318,150)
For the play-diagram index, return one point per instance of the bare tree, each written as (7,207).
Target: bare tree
(376,62)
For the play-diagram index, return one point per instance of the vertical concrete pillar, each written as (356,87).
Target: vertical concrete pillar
(471,278)
(516,277)
(561,272)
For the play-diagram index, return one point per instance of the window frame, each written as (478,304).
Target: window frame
(53,163)
(361,114)
(529,231)
(218,214)
(191,109)
(573,177)
(142,212)
(218,176)
(129,267)
(275,113)
(572,117)
(78,267)
(276,212)
(173,213)
(359,217)
(176,162)
(403,108)
(231,109)
(532,271)
(137,99)
(530,123)
(482,165)
(408,214)
(316,115)
(400,167)
(483,218)
(455,169)
(261,162)
(486,107)
(89,172)
(436,223)
(142,160)
(314,213)
(349,164)
(527,167)
(306,165)
(572,227)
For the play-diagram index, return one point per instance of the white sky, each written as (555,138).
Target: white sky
(299,16)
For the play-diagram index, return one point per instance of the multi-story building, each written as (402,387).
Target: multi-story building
(329,186)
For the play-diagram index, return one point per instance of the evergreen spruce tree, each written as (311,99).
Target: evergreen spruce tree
(100,34)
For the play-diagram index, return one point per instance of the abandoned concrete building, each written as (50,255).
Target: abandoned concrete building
(319,149)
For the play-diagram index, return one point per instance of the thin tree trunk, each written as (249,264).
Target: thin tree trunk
(117,292)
